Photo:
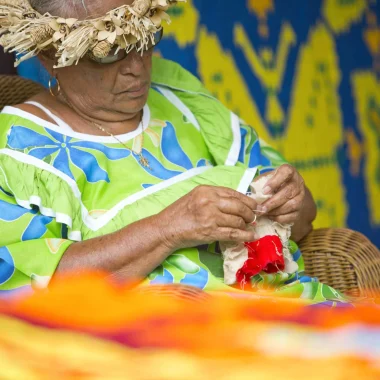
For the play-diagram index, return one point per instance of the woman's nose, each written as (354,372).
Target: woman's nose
(133,64)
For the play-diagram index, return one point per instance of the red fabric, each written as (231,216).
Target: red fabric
(264,255)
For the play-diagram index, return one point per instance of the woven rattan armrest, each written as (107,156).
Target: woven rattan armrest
(16,90)
(343,259)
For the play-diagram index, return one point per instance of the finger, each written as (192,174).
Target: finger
(289,207)
(235,235)
(229,193)
(286,219)
(286,194)
(231,221)
(283,175)
(232,206)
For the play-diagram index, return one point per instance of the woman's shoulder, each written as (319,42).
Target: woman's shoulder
(24,116)
(28,108)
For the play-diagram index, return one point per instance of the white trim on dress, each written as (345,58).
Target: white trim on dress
(246,181)
(233,155)
(64,129)
(178,103)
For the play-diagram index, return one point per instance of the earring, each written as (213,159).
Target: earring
(51,86)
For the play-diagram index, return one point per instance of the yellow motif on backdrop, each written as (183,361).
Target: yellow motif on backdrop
(222,77)
(312,130)
(355,152)
(366,88)
(372,38)
(269,67)
(340,15)
(185,29)
(315,129)
(262,8)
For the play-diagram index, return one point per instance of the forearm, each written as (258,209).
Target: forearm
(129,254)
(304,224)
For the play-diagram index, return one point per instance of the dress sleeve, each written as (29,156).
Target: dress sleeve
(256,153)
(31,246)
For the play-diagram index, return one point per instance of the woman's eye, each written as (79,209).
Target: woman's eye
(111,58)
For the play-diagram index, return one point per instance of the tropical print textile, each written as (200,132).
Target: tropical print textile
(59,186)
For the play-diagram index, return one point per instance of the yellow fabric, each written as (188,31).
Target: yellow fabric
(306,75)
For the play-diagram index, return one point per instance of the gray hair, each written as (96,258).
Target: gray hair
(58,7)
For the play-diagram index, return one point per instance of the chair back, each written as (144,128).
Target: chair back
(16,90)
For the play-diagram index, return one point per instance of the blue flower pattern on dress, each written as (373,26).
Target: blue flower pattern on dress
(198,280)
(156,169)
(36,229)
(37,225)
(255,157)
(193,274)
(67,151)
(164,279)
(172,149)
(173,152)
(7,265)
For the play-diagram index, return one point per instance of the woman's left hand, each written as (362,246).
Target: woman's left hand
(289,191)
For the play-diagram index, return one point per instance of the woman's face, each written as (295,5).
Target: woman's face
(121,87)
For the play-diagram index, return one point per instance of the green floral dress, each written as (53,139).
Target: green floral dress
(58,187)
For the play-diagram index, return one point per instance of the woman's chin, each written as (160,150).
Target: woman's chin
(131,103)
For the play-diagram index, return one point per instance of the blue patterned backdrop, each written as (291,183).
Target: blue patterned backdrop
(306,75)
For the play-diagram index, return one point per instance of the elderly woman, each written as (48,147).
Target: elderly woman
(128,165)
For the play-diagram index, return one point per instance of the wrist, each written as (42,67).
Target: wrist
(165,233)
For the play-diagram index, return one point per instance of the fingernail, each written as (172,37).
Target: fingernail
(267,190)
(262,209)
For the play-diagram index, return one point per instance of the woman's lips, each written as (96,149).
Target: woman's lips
(136,91)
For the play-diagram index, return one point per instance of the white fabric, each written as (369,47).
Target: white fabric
(233,155)
(264,226)
(63,128)
(247,179)
(234,258)
(235,255)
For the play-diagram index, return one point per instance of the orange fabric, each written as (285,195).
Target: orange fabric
(225,338)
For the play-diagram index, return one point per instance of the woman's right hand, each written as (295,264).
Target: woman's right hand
(205,215)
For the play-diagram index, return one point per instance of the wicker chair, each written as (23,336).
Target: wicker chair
(15,90)
(344,259)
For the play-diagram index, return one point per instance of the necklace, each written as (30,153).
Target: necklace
(142,160)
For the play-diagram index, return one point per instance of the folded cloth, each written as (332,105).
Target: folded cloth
(268,253)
